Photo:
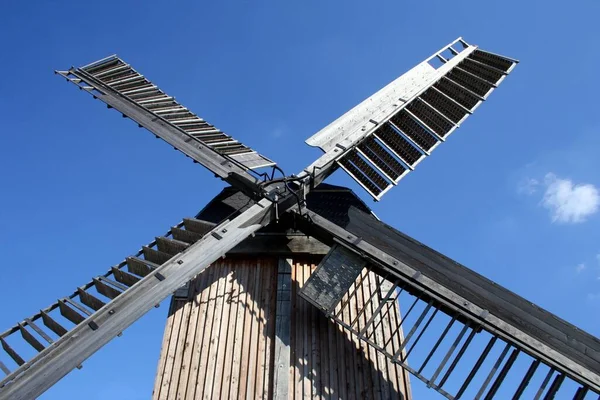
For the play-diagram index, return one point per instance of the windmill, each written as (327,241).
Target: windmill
(475,338)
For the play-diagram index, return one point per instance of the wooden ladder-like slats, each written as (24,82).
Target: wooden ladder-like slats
(337,287)
(86,300)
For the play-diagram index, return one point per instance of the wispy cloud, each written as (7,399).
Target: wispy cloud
(528,186)
(579,268)
(569,202)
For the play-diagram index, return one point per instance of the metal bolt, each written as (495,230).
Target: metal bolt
(224,230)
(179,262)
(111,312)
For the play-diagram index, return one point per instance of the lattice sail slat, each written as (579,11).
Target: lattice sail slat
(410,117)
(116,83)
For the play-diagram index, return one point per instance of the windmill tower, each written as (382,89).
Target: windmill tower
(241,330)
(461,334)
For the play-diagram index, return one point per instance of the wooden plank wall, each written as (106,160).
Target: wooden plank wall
(329,361)
(220,342)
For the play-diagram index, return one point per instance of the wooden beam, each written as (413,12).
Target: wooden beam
(280,245)
(282,330)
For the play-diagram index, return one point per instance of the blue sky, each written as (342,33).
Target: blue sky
(513,194)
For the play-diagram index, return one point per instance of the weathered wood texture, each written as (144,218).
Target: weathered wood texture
(220,342)
(283,325)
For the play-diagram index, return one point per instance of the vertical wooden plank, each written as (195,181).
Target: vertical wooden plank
(203,353)
(261,317)
(299,317)
(383,325)
(229,352)
(213,343)
(196,286)
(248,322)
(315,353)
(351,383)
(239,341)
(361,355)
(356,365)
(171,352)
(388,329)
(356,384)
(372,372)
(404,376)
(253,337)
(283,346)
(222,338)
(402,373)
(325,365)
(337,361)
(164,350)
(395,343)
(332,354)
(340,362)
(306,350)
(203,295)
(383,389)
(268,292)
(269,368)
(181,340)
(364,355)
(294,370)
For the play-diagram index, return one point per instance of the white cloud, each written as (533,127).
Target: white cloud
(579,268)
(528,186)
(569,202)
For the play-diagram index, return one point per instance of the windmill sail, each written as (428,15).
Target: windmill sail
(458,310)
(383,138)
(76,326)
(120,86)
